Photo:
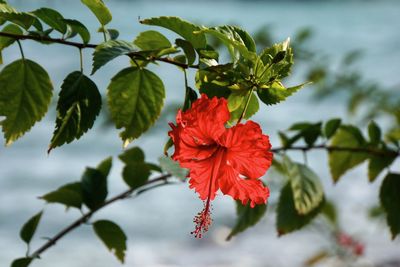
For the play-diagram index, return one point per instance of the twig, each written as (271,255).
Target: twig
(374,151)
(83,45)
(86,216)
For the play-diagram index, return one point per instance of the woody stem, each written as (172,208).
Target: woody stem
(86,216)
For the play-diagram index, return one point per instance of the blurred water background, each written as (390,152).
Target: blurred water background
(158,222)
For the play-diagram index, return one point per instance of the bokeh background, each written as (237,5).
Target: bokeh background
(158,222)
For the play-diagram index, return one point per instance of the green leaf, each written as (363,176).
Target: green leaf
(25,20)
(7,41)
(136,174)
(288,219)
(105,166)
(21,262)
(29,228)
(94,188)
(52,18)
(331,126)
(69,195)
(236,40)
(112,236)
(252,109)
(277,93)
(377,164)
(308,131)
(77,27)
(374,132)
(135,98)
(278,59)
(132,155)
(151,40)
(235,100)
(330,212)
(25,96)
(170,166)
(307,189)
(188,49)
(99,9)
(112,33)
(247,217)
(78,106)
(109,50)
(342,161)
(390,201)
(181,27)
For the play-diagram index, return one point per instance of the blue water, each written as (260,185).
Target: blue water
(158,222)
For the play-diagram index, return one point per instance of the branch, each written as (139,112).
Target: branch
(85,217)
(373,151)
(47,39)
(83,45)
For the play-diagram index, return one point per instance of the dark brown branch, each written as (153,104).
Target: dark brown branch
(82,46)
(47,39)
(374,151)
(85,217)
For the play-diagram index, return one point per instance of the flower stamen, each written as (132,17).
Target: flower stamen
(202,220)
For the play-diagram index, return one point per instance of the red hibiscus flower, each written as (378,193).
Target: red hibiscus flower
(230,159)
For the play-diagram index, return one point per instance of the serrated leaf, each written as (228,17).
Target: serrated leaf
(23,19)
(136,174)
(170,166)
(151,40)
(342,161)
(278,59)
(390,201)
(29,228)
(99,9)
(246,217)
(25,96)
(374,132)
(377,164)
(277,93)
(252,109)
(288,219)
(306,186)
(52,18)
(112,236)
(21,262)
(132,155)
(188,49)
(235,100)
(77,27)
(331,126)
(135,98)
(78,106)
(7,41)
(69,195)
(109,50)
(94,188)
(236,40)
(181,27)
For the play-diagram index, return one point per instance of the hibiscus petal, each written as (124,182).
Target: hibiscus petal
(204,174)
(248,149)
(198,128)
(245,190)
(205,120)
